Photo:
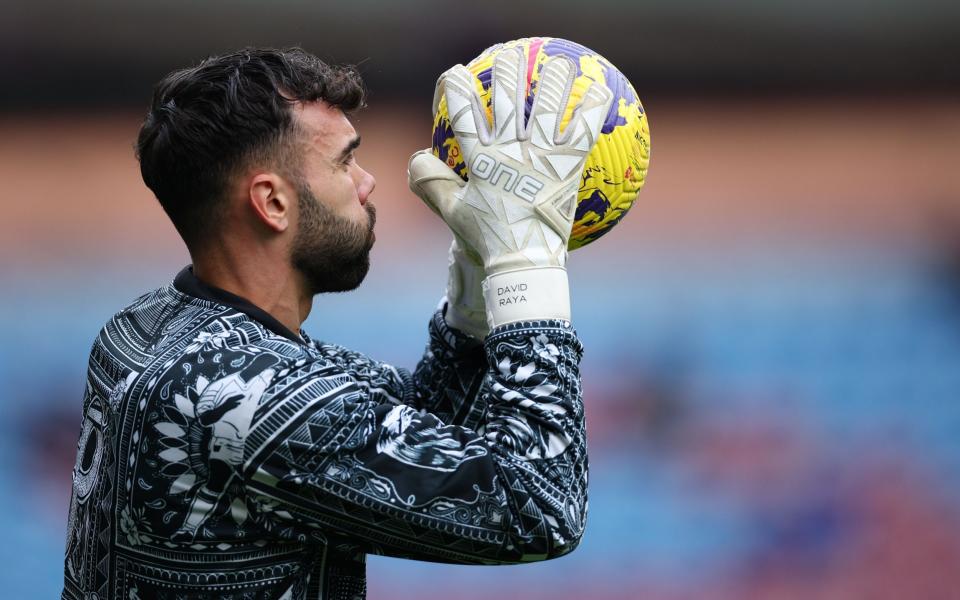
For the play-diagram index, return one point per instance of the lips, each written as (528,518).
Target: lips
(372,214)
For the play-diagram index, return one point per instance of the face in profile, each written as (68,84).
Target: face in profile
(330,251)
(331,248)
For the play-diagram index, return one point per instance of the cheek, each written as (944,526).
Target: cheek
(346,188)
(336,190)
(345,199)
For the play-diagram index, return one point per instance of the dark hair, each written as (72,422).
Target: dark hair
(207,122)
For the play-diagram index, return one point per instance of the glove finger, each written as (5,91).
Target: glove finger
(433,182)
(587,119)
(509,95)
(467,119)
(553,93)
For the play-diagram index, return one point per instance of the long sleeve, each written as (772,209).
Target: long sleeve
(445,383)
(335,461)
(448,379)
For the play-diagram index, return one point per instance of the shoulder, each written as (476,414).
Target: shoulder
(280,367)
(373,375)
(185,343)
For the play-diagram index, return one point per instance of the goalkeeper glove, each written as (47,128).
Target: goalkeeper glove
(516,212)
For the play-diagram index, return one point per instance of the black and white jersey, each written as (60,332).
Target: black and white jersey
(224,456)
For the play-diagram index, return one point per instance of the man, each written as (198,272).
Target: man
(225,453)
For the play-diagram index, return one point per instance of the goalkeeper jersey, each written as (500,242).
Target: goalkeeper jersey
(222,455)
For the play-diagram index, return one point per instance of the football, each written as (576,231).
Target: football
(615,169)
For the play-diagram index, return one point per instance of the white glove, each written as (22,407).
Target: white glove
(516,212)
(464,298)
(465,306)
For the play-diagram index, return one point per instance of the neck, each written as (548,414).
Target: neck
(281,292)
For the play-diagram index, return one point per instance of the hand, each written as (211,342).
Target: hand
(516,212)
(464,297)
(465,306)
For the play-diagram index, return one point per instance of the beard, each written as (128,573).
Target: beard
(331,252)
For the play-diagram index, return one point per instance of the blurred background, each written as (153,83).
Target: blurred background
(772,368)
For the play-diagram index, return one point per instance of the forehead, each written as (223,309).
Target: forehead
(326,129)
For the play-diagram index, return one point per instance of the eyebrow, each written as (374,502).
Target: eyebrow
(350,148)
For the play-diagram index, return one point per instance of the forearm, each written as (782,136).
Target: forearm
(405,484)
(448,379)
(537,430)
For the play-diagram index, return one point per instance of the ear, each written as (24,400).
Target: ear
(271,200)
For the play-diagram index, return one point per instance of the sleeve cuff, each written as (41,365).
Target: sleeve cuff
(454,339)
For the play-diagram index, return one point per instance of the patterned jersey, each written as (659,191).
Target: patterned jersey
(222,455)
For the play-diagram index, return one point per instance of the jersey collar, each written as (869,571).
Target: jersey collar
(188,283)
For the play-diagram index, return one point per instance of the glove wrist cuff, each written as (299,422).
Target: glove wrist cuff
(527,294)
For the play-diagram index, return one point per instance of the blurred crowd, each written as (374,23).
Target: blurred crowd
(772,366)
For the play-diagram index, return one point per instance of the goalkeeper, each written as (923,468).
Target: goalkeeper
(225,453)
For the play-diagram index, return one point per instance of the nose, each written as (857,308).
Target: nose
(365,186)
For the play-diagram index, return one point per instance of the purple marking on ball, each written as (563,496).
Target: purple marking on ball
(596,203)
(594,235)
(486,78)
(618,83)
(620,87)
(441,134)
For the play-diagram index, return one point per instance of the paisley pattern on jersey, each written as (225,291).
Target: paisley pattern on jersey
(219,459)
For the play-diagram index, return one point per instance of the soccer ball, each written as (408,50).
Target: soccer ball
(616,167)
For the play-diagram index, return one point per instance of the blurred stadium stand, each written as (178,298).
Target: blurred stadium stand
(110,52)
(772,366)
